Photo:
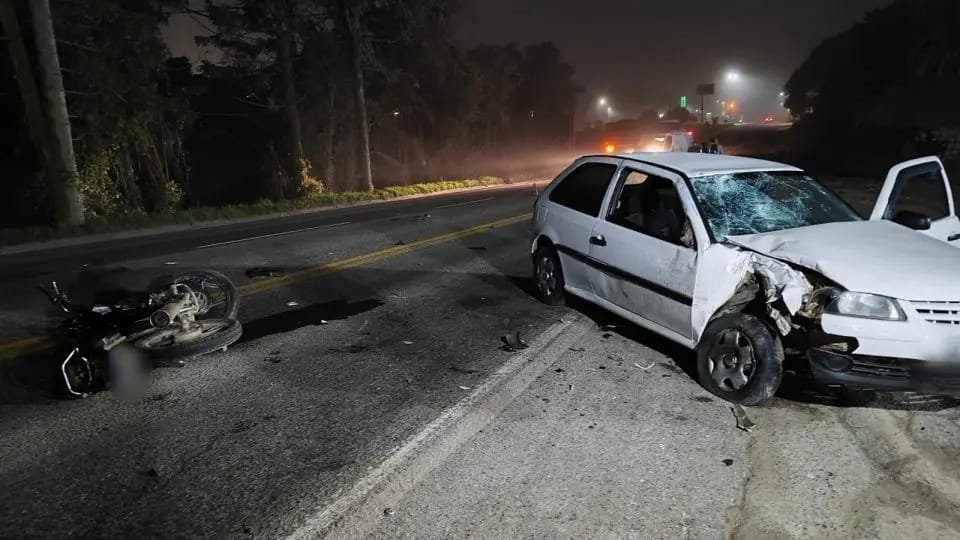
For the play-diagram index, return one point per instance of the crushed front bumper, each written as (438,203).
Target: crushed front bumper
(911,355)
(881,373)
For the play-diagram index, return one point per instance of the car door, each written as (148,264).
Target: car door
(917,194)
(573,205)
(644,249)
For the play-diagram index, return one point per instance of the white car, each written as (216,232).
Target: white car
(740,259)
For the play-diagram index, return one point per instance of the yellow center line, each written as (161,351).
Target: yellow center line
(26,345)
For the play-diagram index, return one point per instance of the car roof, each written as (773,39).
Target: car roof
(694,164)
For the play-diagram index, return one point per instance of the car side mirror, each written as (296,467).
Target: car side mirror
(914,220)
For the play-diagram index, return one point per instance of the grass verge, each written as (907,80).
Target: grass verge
(142,220)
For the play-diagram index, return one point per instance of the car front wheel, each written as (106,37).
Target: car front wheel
(548,276)
(740,359)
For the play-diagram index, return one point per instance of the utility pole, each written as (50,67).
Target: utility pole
(66,194)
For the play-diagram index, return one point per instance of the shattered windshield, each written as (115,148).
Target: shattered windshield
(750,203)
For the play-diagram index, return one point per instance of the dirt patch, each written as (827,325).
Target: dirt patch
(818,471)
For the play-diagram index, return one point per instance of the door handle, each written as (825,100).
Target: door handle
(598,240)
(953,237)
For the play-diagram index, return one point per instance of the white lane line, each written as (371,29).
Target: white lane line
(284,233)
(464,203)
(349,514)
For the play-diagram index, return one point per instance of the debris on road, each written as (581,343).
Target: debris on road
(559,370)
(400,243)
(467,371)
(607,336)
(608,327)
(513,342)
(465,388)
(577,349)
(292,304)
(637,365)
(743,421)
(477,248)
(405,342)
(728,462)
(265,272)
(274,358)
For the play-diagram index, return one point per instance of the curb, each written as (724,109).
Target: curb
(354,513)
(80,240)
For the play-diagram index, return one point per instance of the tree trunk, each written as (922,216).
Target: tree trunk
(353,29)
(29,94)
(290,98)
(66,195)
(328,141)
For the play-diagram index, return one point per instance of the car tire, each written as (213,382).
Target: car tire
(740,359)
(548,276)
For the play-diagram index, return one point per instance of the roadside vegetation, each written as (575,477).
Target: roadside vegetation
(317,201)
(290,104)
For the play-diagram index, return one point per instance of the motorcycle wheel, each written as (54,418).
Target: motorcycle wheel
(219,296)
(209,335)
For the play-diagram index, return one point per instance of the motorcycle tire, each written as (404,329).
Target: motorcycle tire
(194,279)
(227,333)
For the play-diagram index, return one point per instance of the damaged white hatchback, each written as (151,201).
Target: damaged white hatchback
(742,259)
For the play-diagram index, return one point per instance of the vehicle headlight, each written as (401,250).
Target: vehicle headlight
(867,306)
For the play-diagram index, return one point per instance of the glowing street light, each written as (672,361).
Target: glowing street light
(602,102)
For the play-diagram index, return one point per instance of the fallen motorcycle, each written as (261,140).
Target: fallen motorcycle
(183,316)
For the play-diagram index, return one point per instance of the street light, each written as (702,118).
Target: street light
(602,102)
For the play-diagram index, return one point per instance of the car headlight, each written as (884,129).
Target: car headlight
(866,306)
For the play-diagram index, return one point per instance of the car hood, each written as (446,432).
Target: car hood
(879,257)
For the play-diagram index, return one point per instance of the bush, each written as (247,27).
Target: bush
(100,224)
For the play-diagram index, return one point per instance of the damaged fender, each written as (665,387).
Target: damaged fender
(777,280)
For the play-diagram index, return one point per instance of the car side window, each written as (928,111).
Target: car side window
(651,205)
(584,188)
(920,190)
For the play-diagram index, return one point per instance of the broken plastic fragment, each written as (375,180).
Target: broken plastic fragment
(513,342)
(637,365)
(265,272)
(743,421)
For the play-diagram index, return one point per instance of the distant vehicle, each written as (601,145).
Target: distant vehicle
(768,119)
(663,142)
(736,257)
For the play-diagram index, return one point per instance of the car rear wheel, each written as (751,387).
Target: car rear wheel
(740,359)
(548,276)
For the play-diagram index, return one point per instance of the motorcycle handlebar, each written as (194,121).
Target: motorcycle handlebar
(58,298)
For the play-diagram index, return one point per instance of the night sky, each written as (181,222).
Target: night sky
(642,53)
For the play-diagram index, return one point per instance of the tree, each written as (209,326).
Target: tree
(350,17)
(262,36)
(67,204)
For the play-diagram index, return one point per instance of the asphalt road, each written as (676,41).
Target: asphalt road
(370,397)
(251,441)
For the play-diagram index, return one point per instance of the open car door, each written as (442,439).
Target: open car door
(917,194)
